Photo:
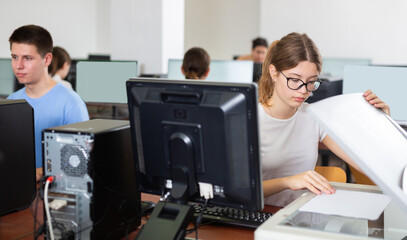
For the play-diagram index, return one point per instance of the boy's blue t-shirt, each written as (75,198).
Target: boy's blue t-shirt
(59,106)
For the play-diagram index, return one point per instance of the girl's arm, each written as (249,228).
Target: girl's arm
(310,180)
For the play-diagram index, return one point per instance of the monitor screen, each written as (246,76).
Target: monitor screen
(104,82)
(71,77)
(187,132)
(257,71)
(6,77)
(335,67)
(219,70)
(389,83)
(329,87)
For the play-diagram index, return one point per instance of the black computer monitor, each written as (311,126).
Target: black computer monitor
(186,132)
(328,88)
(71,77)
(6,77)
(17,155)
(99,57)
(257,71)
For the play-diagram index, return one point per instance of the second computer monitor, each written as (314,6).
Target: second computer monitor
(6,77)
(104,82)
(335,67)
(219,70)
(389,83)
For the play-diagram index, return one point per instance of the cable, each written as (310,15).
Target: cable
(38,194)
(191,230)
(47,211)
(196,230)
(34,214)
(198,220)
(23,236)
(206,191)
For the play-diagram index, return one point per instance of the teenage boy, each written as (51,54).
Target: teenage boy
(54,105)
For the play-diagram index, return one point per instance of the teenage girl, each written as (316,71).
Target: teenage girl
(289,137)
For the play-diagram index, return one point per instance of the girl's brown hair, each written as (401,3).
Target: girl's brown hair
(59,57)
(284,54)
(196,63)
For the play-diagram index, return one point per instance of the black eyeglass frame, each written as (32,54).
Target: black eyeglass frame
(303,83)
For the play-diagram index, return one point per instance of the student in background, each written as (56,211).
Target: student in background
(289,137)
(259,50)
(196,64)
(54,105)
(60,65)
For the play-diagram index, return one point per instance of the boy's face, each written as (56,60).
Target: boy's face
(28,65)
(259,53)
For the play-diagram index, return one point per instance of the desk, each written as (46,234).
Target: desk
(116,111)
(19,225)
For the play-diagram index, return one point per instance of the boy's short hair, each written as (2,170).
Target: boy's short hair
(259,42)
(35,35)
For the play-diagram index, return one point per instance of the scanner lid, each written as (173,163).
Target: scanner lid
(372,139)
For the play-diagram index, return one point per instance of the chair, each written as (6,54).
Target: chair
(360,178)
(332,174)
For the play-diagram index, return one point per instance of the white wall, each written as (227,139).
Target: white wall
(173,27)
(147,31)
(136,32)
(103,27)
(73,24)
(375,29)
(222,27)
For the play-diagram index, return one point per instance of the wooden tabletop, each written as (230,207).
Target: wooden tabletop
(20,225)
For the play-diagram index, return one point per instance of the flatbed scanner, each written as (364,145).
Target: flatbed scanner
(378,145)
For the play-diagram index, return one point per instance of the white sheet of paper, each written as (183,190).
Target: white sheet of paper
(348,204)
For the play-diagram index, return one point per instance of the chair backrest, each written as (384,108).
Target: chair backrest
(360,178)
(332,174)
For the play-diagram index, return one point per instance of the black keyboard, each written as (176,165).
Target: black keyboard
(230,216)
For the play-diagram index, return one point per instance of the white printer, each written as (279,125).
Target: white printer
(379,146)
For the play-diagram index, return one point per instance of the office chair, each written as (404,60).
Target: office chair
(332,174)
(360,178)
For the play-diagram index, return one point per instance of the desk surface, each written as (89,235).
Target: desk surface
(20,225)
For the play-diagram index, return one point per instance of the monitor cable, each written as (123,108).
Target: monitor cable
(47,211)
(39,194)
(206,191)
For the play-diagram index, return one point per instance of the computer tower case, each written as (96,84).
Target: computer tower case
(92,162)
(17,155)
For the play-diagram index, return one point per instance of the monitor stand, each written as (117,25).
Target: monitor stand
(169,220)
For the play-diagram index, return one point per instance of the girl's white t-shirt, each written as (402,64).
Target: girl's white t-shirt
(288,147)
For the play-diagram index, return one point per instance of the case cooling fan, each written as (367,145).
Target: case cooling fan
(74,160)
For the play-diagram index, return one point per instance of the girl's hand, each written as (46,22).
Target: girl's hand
(376,101)
(312,181)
